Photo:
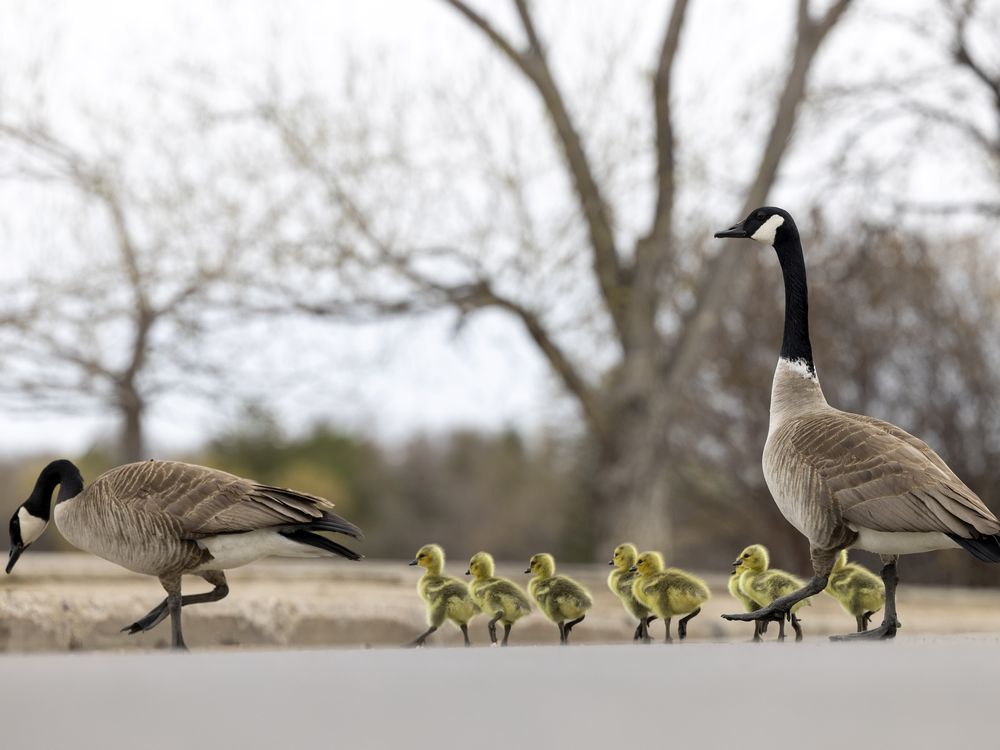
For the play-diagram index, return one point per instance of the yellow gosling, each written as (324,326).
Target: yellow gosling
(620,582)
(749,605)
(764,584)
(446,598)
(668,592)
(860,592)
(501,599)
(564,601)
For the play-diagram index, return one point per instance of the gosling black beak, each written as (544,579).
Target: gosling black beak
(528,570)
(611,562)
(412,562)
(733,570)
(737,564)
(633,569)
(736,230)
(15,552)
(468,572)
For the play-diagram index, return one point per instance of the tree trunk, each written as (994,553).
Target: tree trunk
(130,441)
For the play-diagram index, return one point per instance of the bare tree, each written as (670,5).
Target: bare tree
(118,312)
(657,314)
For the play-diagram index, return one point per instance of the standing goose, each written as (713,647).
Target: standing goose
(620,582)
(847,480)
(168,519)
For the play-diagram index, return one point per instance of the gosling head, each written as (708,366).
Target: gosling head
(481,565)
(767,225)
(430,556)
(624,556)
(840,562)
(541,565)
(648,563)
(754,557)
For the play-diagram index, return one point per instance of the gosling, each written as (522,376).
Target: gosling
(763,584)
(499,597)
(860,592)
(620,582)
(447,598)
(668,592)
(564,601)
(749,605)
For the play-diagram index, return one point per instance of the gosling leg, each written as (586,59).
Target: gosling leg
(569,625)
(562,634)
(492,626)
(797,627)
(506,633)
(465,634)
(158,613)
(889,622)
(867,618)
(419,640)
(667,638)
(682,626)
(781,629)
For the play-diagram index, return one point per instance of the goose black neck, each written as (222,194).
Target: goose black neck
(61,473)
(795,344)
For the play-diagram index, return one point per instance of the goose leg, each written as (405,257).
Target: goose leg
(562,634)
(506,633)
(492,627)
(682,626)
(862,624)
(465,634)
(419,640)
(157,614)
(779,608)
(667,638)
(569,625)
(757,629)
(796,627)
(172,585)
(781,629)
(889,622)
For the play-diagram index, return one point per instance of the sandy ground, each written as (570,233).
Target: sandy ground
(933,692)
(56,602)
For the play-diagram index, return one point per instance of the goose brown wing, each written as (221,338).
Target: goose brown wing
(205,502)
(882,478)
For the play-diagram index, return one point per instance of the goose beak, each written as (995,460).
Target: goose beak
(611,562)
(412,562)
(633,569)
(528,570)
(15,552)
(468,572)
(735,231)
(737,564)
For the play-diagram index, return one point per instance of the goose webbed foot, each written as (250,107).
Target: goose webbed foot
(780,608)
(418,642)
(153,618)
(682,626)
(883,632)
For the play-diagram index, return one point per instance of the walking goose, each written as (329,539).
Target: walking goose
(168,519)
(848,480)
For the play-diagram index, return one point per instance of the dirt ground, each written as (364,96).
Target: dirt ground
(61,602)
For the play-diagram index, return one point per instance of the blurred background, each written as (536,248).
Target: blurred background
(450,265)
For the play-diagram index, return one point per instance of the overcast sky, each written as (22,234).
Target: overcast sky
(397,377)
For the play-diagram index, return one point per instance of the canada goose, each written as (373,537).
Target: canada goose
(749,605)
(763,584)
(447,598)
(847,480)
(620,582)
(564,601)
(860,592)
(168,519)
(668,592)
(502,599)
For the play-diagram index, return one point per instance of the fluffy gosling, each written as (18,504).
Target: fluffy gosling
(447,598)
(860,592)
(749,605)
(620,582)
(564,601)
(497,597)
(764,584)
(668,592)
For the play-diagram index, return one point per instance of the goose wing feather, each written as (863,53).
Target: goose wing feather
(882,478)
(204,502)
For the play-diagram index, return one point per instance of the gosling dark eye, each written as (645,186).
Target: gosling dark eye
(746,555)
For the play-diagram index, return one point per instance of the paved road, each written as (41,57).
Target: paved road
(915,693)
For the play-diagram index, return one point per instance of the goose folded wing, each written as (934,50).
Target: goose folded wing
(882,478)
(205,502)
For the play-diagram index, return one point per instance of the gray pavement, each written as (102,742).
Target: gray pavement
(921,692)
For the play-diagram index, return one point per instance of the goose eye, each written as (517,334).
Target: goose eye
(746,555)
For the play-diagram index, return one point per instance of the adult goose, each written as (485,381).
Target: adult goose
(168,519)
(847,480)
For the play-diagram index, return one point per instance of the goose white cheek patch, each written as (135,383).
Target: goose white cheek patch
(765,232)
(31,527)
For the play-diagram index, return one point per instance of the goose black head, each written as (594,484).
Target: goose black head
(31,518)
(25,528)
(767,225)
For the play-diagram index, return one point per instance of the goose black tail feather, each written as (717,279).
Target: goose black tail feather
(985,548)
(333,522)
(315,540)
